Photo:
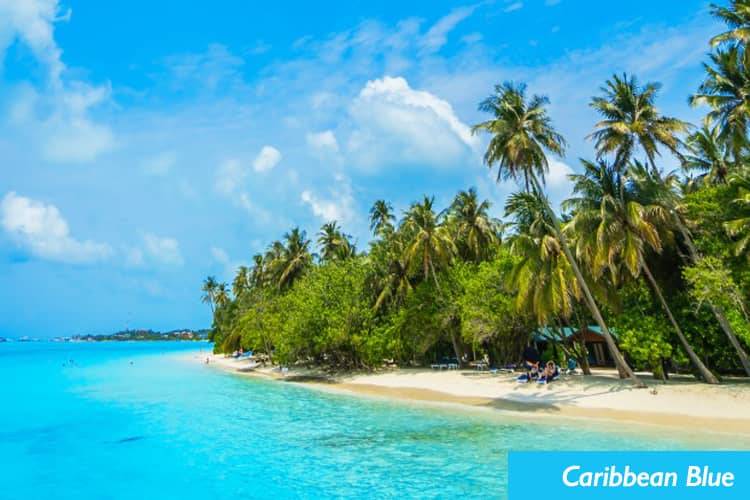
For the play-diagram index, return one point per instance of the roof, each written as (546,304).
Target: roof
(591,333)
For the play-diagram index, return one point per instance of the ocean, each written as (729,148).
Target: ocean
(136,420)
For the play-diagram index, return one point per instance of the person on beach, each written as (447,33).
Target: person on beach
(531,359)
(550,373)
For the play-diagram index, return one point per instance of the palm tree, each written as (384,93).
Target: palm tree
(642,125)
(381,217)
(543,277)
(273,262)
(333,244)
(329,241)
(430,242)
(241,281)
(665,192)
(257,273)
(295,258)
(209,291)
(726,90)
(631,120)
(522,133)
(476,232)
(394,283)
(737,17)
(625,231)
(222,295)
(740,227)
(708,155)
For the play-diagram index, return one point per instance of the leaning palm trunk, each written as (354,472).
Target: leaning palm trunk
(717,310)
(622,366)
(694,359)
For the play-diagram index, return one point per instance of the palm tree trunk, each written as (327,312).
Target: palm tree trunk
(705,372)
(580,353)
(717,310)
(622,366)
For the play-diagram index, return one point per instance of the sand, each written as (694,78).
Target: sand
(681,403)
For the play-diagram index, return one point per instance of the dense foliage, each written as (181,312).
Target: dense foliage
(660,257)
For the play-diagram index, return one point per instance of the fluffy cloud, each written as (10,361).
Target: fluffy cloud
(163,249)
(397,124)
(32,21)
(59,121)
(323,141)
(557,177)
(42,230)
(338,206)
(59,118)
(268,158)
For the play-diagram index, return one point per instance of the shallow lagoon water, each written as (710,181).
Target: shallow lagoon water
(164,427)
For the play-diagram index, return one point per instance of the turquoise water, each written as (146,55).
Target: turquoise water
(164,427)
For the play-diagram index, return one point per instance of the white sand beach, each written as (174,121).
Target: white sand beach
(680,403)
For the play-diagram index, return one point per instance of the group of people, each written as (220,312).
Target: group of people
(535,370)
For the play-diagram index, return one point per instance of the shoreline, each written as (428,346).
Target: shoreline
(680,405)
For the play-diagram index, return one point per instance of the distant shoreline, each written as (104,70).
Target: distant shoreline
(681,405)
(122,336)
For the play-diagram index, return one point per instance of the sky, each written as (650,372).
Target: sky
(146,145)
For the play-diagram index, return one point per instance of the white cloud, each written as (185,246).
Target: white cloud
(161,163)
(437,35)
(32,21)
(268,158)
(397,124)
(163,249)
(558,186)
(558,173)
(339,206)
(325,140)
(326,210)
(58,119)
(42,230)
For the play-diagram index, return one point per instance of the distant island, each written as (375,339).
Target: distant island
(124,335)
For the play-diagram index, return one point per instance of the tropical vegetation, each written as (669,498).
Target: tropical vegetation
(655,259)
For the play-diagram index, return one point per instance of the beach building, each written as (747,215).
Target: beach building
(591,335)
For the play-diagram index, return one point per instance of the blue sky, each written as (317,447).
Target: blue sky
(147,145)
